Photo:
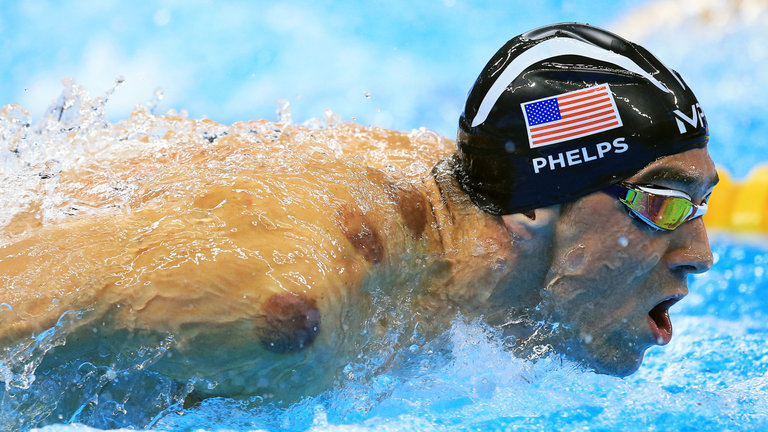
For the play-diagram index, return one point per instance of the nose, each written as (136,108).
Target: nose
(689,250)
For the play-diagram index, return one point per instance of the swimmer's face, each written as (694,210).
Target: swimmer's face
(613,277)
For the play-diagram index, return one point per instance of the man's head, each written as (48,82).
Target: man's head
(594,133)
(566,110)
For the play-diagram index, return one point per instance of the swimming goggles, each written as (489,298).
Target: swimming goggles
(664,209)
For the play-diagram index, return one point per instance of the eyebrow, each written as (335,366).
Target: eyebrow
(677,175)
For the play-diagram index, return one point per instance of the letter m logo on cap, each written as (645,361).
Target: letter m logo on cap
(570,115)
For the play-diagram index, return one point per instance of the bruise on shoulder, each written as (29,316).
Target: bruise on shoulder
(292,322)
(412,207)
(360,232)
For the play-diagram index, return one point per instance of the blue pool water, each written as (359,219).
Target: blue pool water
(385,58)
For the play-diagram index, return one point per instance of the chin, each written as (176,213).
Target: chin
(618,363)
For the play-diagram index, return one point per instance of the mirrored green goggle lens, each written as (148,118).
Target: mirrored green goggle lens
(664,212)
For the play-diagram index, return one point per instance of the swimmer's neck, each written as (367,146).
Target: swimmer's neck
(475,246)
(460,223)
(488,266)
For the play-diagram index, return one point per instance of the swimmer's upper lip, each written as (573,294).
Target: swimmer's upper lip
(659,322)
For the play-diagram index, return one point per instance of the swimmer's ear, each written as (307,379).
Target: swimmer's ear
(531,224)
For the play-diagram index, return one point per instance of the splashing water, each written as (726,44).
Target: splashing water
(32,156)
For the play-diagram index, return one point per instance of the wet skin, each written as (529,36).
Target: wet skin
(256,260)
(264,278)
(612,277)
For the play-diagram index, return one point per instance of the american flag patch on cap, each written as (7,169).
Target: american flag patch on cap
(570,115)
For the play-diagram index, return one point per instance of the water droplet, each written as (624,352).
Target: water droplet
(623,242)
(331,119)
(320,417)
(156,98)
(367,95)
(111,374)
(284,111)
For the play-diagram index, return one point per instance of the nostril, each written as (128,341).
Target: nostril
(687,259)
(686,269)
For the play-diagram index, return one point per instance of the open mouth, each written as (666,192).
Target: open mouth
(658,319)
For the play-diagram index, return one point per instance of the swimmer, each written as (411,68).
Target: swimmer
(574,197)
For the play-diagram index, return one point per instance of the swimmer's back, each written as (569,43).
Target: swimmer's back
(255,252)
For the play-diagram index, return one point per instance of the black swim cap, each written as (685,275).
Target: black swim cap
(566,110)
